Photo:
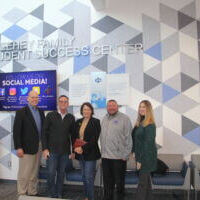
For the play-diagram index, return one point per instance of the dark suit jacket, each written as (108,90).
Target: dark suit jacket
(91,135)
(57,133)
(25,133)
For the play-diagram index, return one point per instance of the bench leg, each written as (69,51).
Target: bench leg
(195,193)
(188,194)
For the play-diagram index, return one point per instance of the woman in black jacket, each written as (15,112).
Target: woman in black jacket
(87,130)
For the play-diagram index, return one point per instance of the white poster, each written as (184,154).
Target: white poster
(79,89)
(98,89)
(118,88)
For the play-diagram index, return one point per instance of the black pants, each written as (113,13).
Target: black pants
(144,190)
(113,174)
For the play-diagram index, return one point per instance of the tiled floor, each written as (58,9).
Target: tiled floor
(8,192)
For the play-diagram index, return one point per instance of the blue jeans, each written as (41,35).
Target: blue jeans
(56,164)
(88,175)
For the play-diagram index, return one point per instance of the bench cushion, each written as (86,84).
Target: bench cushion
(43,173)
(170,178)
(74,175)
(131,177)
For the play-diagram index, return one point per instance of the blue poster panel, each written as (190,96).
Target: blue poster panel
(14,89)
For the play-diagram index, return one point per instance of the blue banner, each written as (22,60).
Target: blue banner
(14,89)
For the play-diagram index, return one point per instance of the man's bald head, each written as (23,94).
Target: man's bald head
(32,92)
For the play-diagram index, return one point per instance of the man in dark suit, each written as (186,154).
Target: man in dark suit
(56,145)
(27,141)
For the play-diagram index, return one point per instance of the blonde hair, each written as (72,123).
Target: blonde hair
(149,117)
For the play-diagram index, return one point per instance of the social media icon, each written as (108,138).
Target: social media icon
(48,90)
(24,90)
(36,89)
(12,91)
(2,91)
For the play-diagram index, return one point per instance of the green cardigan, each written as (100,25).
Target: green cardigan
(145,147)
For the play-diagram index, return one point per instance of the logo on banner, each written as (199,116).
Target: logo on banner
(24,90)
(98,80)
(48,90)
(12,91)
(2,91)
(36,89)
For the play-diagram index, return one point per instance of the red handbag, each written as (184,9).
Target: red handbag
(79,143)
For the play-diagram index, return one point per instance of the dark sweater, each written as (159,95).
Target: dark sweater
(145,147)
(57,132)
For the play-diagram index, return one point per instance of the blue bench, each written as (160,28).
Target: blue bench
(73,173)
(177,178)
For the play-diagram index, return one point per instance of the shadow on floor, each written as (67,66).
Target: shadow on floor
(8,192)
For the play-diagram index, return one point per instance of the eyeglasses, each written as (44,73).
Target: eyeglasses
(63,101)
(34,97)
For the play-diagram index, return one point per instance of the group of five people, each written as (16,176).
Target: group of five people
(60,138)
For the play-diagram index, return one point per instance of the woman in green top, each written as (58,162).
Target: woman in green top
(144,134)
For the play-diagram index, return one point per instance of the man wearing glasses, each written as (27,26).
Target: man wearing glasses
(27,141)
(56,145)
